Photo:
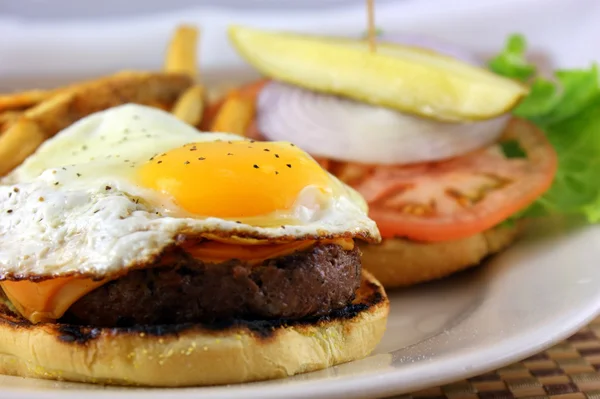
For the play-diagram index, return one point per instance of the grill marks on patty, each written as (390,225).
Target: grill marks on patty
(308,283)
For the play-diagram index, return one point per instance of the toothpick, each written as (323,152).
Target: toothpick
(371,24)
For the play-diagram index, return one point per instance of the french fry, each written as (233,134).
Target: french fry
(9,117)
(181,54)
(217,93)
(145,88)
(190,105)
(235,115)
(12,101)
(29,98)
(61,110)
(249,91)
(20,140)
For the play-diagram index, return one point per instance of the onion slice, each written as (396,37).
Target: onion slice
(347,130)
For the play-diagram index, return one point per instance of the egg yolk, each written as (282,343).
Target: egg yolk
(234,179)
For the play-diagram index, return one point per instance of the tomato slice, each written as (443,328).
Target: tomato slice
(456,198)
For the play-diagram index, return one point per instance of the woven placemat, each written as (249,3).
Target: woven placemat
(568,370)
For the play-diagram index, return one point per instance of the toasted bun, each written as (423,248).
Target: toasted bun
(189,355)
(400,262)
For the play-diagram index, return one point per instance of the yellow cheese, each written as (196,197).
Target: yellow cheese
(47,300)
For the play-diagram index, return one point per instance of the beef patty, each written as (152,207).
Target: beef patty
(307,283)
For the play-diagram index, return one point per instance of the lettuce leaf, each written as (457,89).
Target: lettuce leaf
(511,61)
(567,109)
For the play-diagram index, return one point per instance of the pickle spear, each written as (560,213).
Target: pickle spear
(404,78)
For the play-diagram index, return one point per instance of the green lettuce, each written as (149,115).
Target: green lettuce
(511,61)
(566,108)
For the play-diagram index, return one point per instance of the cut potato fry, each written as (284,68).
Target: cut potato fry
(24,99)
(181,54)
(235,115)
(145,88)
(9,117)
(399,77)
(209,115)
(29,98)
(61,110)
(20,140)
(248,90)
(190,105)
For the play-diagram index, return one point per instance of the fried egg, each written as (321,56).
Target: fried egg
(117,188)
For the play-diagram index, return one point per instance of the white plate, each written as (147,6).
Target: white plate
(533,295)
(536,293)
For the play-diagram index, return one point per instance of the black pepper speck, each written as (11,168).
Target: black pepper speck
(78,174)
(16,189)
(159,162)
(276,172)
(276,155)
(107,188)
(229,153)
(56,183)
(186,163)
(255,166)
(238,222)
(266,149)
(292,145)
(9,211)
(201,159)
(289,165)
(41,199)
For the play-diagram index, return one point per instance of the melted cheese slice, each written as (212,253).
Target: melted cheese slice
(48,300)
(216,252)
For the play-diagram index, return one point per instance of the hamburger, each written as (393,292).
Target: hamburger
(136,250)
(454,156)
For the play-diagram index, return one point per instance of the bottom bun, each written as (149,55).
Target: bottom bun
(400,262)
(194,355)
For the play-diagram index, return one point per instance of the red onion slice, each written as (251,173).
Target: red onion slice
(347,130)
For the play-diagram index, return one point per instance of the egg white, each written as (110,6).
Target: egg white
(74,208)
